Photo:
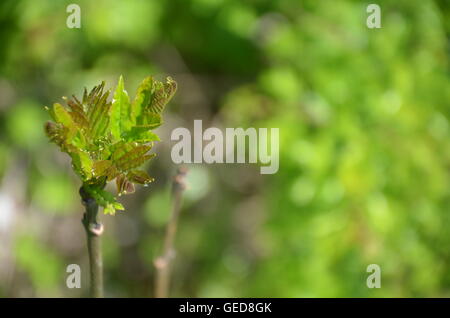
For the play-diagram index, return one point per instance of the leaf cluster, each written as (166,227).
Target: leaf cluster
(109,140)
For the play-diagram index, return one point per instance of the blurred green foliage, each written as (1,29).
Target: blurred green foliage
(364,146)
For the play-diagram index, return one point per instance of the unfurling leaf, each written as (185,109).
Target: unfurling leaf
(56,134)
(121,111)
(139,176)
(100,168)
(62,116)
(143,96)
(83,164)
(109,140)
(161,95)
(150,120)
(77,113)
(123,185)
(133,158)
(140,134)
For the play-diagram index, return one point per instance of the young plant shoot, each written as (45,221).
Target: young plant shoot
(107,141)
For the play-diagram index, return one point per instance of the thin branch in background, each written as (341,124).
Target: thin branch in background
(94,230)
(163,263)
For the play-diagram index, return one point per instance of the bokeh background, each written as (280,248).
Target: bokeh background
(364,146)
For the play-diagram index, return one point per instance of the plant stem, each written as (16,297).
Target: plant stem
(94,230)
(163,263)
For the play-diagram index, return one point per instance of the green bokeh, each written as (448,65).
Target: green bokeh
(364,145)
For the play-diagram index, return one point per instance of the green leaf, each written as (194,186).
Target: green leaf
(132,158)
(162,94)
(120,148)
(62,116)
(143,96)
(104,199)
(101,122)
(123,185)
(118,206)
(140,134)
(100,168)
(139,176)
(150,120)
(82,164)
(56,133)
(112,173)
(95,98)
(77,113)
(170,88)
(109,209)
(120,111)
(79,140)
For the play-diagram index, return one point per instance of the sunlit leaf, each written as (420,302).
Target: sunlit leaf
(139,176)
(123,185)
(82,163)
(100,168)
(121,110)
(108,140)
(150,120)
(140,134)
(162,94)
(62,116)
(143,96)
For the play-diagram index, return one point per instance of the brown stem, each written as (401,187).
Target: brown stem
(94,230)
(163,262)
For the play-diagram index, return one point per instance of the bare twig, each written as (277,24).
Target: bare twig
(94,230)
(163,262)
